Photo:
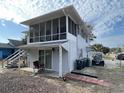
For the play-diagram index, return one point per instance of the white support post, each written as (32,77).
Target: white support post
(60,60)
(69,56)
(28,37)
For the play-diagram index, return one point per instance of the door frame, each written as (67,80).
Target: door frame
(45,58)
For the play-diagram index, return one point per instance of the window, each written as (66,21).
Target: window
(63,27)
(55,26)
(36,30)
(63,36)
(55,37)
(31,33)
(42,38)
(48,37)
(31,39)
(48,31)
(48,28)
(72,27)
(56,29)
(62,24)
(42,29)
(34,33)
(42,32)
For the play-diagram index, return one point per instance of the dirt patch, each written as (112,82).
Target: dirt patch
(113,76)
(14,82)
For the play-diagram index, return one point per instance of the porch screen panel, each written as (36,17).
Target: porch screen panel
(36,33)
(72,27)
(63,27)
(55,29)
(48,31)
(42,32)
(31,33)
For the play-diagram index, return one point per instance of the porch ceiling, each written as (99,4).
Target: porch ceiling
(42,45)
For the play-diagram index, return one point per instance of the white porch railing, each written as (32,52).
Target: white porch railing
(13,57)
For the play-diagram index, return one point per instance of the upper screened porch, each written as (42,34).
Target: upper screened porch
(55,25)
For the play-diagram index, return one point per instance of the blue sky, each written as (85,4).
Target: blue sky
(106,17)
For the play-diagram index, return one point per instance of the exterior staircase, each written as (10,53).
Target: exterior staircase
(13,59)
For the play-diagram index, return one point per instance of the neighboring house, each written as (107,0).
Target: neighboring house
(56,39)
(7,49)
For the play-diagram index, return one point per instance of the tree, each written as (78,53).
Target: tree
(116,50)
(90,36)
(119,50)
(100,48)
(105,50)
(97,47)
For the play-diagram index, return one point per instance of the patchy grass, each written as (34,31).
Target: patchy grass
(107,57)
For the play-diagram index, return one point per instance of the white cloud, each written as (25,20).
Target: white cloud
(103,14)
(3,23)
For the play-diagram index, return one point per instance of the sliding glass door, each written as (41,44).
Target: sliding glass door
(45,57)
(48,59)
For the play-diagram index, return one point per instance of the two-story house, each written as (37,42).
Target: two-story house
(57,39)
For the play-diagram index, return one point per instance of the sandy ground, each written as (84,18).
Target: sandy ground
(11,81)
(14,82)
(113,76)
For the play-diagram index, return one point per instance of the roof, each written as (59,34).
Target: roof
(5,45)
(15,42)
(68,10)
(42,45)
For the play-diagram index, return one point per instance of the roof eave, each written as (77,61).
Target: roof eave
(54,14)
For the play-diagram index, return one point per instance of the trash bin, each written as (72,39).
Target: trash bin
(86,62)
(79,64)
